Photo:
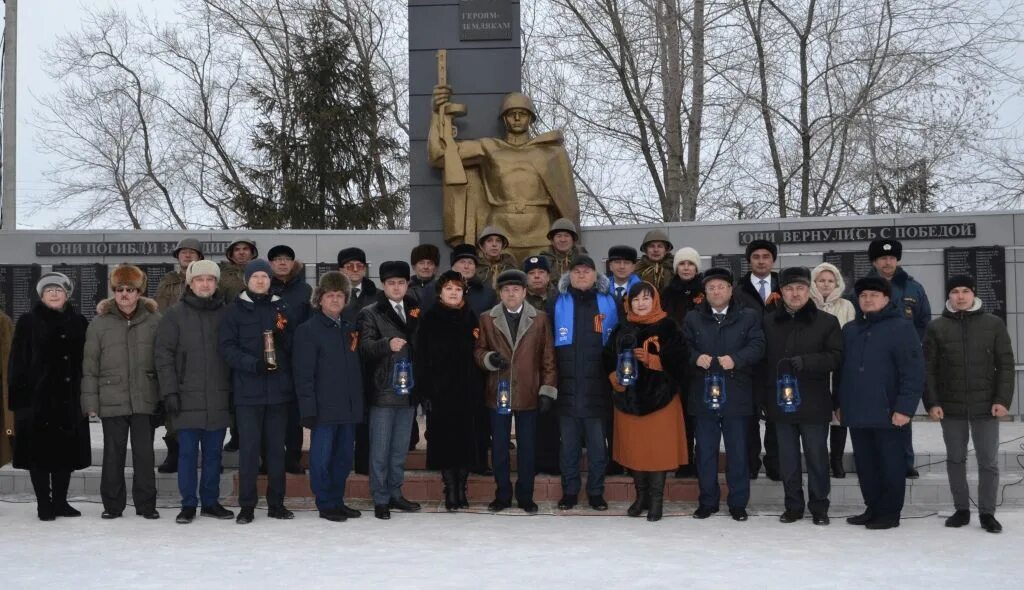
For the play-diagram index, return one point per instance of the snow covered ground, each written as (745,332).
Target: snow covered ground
(430,550)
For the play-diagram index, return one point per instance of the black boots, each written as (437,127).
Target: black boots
(656,481)
(170,464)
(838,470)
(837,447)
(463,484)
(642,483)
(450,478)
(49,507)
(650,494)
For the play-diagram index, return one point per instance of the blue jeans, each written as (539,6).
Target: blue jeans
(573,430)
(390,429)
(330,462)
(526,439)
(212,442)
(814,438)
(880,457)
(710,431)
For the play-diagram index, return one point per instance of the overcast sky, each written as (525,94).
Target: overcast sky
(41,21)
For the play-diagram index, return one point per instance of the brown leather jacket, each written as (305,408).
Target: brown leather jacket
(533,371)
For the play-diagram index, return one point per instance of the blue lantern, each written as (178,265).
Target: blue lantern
(503,403)
(626,368)
(787,393)
(714,391)
(401,377)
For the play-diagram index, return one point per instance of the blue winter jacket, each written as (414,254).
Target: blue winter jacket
(241,344)
(883,369)
(328,374)
(740,336)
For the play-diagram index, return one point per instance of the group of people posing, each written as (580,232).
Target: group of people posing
(650,364)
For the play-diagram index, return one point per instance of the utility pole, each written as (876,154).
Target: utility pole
(8,210)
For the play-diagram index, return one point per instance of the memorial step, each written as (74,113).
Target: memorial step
(1010,460)
(86,482)
(426,486)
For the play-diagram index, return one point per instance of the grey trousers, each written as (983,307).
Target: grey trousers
(985,433)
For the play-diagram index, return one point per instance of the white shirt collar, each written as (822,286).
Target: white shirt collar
(520,310)
(756,281)
(725,310)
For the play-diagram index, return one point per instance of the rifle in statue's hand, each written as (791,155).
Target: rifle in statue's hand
(454,173)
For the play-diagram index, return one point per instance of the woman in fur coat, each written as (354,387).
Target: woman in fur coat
(650,433)
(44,381)
(450,385)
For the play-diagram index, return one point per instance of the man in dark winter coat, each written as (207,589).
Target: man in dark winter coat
(195,384)
(759,290)
(583,317)
(911,300)
(515,346)
(119,384)
(232,282)
(168,292)
(726,341)
(424,259)
(970,386)
(807,345)
(880,385)
(255,339)
(289,283)
(329,387)
(386,331)
(352,263)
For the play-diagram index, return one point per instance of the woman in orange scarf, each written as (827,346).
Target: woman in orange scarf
(650,436)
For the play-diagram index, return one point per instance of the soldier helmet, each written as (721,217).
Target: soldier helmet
(189,244)
(250,243)
(655,235)
(566,225)
(517,100)
(489,231)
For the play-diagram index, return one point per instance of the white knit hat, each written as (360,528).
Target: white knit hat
(687,253)
(201,268)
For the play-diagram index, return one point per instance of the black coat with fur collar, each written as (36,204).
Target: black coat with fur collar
(45,377)
(451,384)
